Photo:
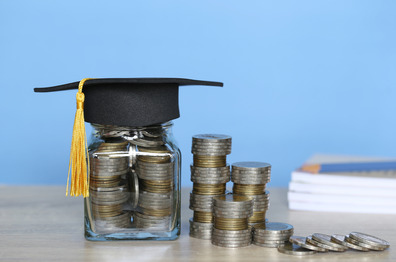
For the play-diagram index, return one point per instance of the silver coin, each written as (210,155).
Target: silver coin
(163,171)
(340,239)
(148,217)
(295,250)
(251,165)
(121,188)
(271,238)
(154,178)
(110,195)
(244,182)
(210,175)
(221,150)
(211,137)
(204,236)
(247,208)
(209,170)
(270,234)
(362,244)
(202,204)
(222,207)
(201,230)
(268,245)
(300,241)
(216,178)
(146,194)
(100,173)
(274,228)
(208,153)
(109,202)
(231,245)
(103,165)
(311,241)
(326,239)
(134,188)
(230,239)
(218,148)
(155,168)
(230,242)
(219,180)
(370,240)
(197,141)
(231,232)
(236,216)
(251,179)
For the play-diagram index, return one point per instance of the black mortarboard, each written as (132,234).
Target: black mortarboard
(134,102)
(130,101)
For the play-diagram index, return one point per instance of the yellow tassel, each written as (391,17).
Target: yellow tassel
(79,162)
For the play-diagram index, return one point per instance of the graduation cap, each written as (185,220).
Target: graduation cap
(134,102)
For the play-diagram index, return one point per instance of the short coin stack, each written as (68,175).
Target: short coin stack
(250,178)
(209,173)
(155,171)
(272,234)
(231,213)
(108,191)
(337,243)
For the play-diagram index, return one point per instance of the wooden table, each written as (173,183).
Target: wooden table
(38,223)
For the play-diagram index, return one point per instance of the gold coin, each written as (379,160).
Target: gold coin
(203,217)
(257,217)
(209,189)
(248,189)
(231,223)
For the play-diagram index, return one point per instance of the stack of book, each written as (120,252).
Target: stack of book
(344,184)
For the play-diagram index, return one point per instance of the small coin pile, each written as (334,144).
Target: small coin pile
(108,191)
(209,174)
(338,243)
(272,234)
(155,172)
(250,178)
(231,213)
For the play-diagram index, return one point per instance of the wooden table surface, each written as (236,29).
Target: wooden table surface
(38,223)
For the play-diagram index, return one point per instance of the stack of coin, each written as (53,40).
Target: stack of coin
(318,242)
(250,178)
(231,213)
(155,171)
(272,234)
(209,174)
(108,192)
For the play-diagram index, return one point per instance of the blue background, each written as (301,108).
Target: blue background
(300,76)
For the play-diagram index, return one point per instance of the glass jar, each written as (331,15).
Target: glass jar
(134,183)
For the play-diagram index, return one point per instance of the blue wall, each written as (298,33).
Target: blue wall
(300,76)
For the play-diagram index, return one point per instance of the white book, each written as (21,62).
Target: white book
(346,190)
(342,199)
(368,209)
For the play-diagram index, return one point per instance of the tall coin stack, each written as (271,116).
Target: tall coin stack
(209,174)
(108,190)
(155,172)
(231,213)
(250,179)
